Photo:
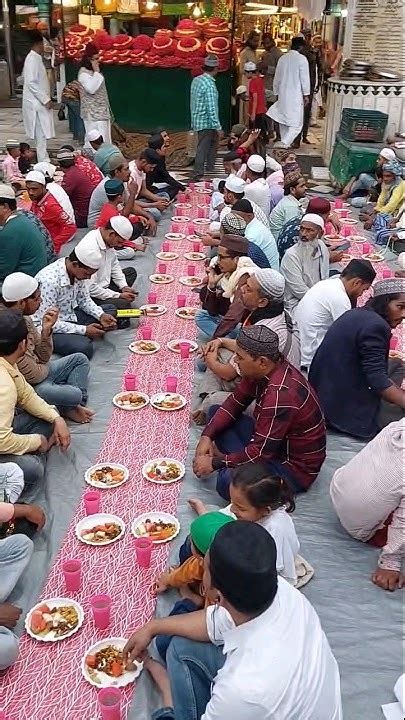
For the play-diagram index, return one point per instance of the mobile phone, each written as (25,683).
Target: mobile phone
(341,248)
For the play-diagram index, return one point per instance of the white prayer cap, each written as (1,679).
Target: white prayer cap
(6,191)
(89,254)
(94,135)
(314,219)
(272,164)
(18,286)
(122,226)
(256,163)
(250,66)
(401,260)
(241,89)
(235,184)
(388,154)
(215,184)
(271,281)
(12,144)
(35,176)
(45,168)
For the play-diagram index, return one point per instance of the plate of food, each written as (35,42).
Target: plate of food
(160,279)
(153,310)
(131,400)
(106,475)
(186,313)
(104,664)
(54,619)
(349,221)
(168,401)
(160,527)
(345,258)
(194,238)
(163,471)
(373,257)
(174,345)
(202,191)
(182,206)
(180,219)
(175,236)
(396,355)
(100,529)
(144,347)
(334,238)
(191,280)
(167,255)
(197,256)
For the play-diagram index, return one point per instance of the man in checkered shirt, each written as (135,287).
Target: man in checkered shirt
(205,117)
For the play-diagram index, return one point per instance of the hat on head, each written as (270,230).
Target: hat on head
(45,168)
(122,226)
(211,61)
(235,184)
(388,154)
(36,177)
(319,206)
(235,244)
(238,129)
(314,219)
(88,254)
(249,67)
(393,167)
(113,187)
(65,154)
(272,164)
(204,528)
(258,340)
(18,286)
(292,173)
(281,154)
(94,135)
(233,225)
(240,90)
(6,191)
(12,144)
(256,163)
(389,286)
(116,161)
(400,258)
(271,282)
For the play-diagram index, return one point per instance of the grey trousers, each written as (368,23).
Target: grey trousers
(206,152)
(15,554)
(388,412)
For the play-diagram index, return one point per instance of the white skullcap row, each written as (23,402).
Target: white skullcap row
(88,251)
(256,163)
(388,154)
(36,177)
(235,184)
(314,219)
(45,168)
(18,286)
(94,135)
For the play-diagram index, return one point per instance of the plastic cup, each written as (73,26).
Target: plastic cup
(130,381)
(166,247)
(201,211)
(393,343)
(191,185)
(345,231)
(181,300)
(143,549)
(152,298)
(184,350)
(366,248)
(190,270)
(386,273)
(196,247)
(171,383)
(146,332)
(162,268)
(175,227)
(190,228)
(92,502)
(101,607)
(109,700)
(338,204)
(72,572)
(181,197)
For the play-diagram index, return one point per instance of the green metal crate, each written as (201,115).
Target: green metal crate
(363,125)
(349,159)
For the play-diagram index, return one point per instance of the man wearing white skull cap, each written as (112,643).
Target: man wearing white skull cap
(257,188)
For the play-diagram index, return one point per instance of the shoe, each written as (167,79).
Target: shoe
(306,141)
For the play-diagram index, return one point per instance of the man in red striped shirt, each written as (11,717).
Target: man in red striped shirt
(48,210)
(287,430)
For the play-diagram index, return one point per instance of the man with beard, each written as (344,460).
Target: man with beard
(306,262)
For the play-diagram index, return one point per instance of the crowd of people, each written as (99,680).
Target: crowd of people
(285,355)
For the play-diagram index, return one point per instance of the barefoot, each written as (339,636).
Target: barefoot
(187,593)
(161,678)
(198,506)
(199,417)
(80,414)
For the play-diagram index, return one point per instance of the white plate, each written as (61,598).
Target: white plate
(155,515)
(91,521)
(55,602)
(203,191)
(369,256)
(349,221)
(105,680)
(204,222)
(180,311)
(175,236)
(196,256)
(158,397)
(193,238)
(182,206)
(191,280)
(161,279)
(172,343)
(181,219)
(334,238)
(128,407)
(102,485)
(148,309)
(357,238)
(135,348)
(149,464)
(167,255)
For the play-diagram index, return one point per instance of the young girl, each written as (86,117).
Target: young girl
(261,497)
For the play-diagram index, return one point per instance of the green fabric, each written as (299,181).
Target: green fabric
(204,528)
(22,247)
(102,156)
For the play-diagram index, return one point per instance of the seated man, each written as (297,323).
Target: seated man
(22,245)
(233,164)
(290,232)
(146,163)
(287,430)
(257,188)
(290,205)
(103,151)
(255,621)
(306,262)
(10,167)
(77,185)
(117,207)
(327,300)
(390,199)
(61,382)
(368,496)
(86,165)
(25,158)
(257,233)
(48,171)
(234,224)
(48,210)
(358,188)
(160,179)
(64,285)
(234,190)
(37,426)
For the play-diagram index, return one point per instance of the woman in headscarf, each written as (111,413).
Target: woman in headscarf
(391,197)
(94,104)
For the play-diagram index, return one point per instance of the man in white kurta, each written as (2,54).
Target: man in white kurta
(36,102)
(292,86)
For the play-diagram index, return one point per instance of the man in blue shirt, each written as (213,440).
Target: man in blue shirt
(205,117)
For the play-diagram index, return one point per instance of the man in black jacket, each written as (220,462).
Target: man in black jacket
(315,71)
(160,173)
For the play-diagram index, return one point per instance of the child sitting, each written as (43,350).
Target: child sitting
(217,199)
(261,497)
(26,158)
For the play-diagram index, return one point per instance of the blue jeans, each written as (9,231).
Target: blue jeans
(181,607)
(155,212)
(68,343)
(15,554)
(66,384)
(207,324)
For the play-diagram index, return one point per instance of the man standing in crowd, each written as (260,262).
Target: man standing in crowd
(205,117)
(270,58)
(314,67)
(36,100)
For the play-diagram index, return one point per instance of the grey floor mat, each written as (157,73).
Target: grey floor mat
(363,623)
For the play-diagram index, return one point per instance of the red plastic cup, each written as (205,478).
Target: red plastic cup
(146,332)
(386,273)
(109,700)
(152,298)
(181,197)
(143,549)
(201,211)
(72,572)
(366,248)
(344,213)
(162,268)
(393,343)
(166,247)
(196,247)
(190,270)
(92,501)
(184,350)
(175,227)
(338,204)
(191,185)
(101,607)
(190,228)
(130,381)
(171,383)
(345,231)
(181,300)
